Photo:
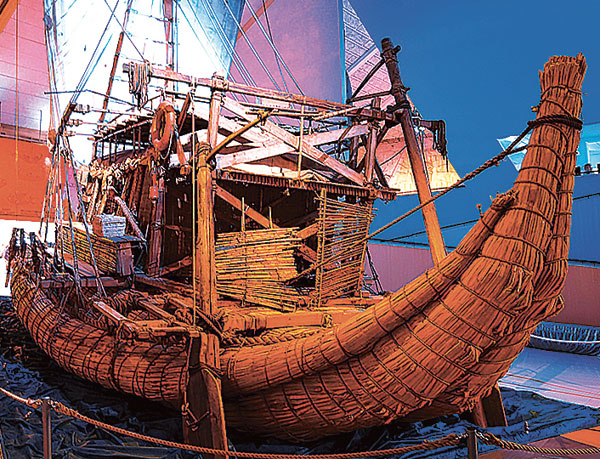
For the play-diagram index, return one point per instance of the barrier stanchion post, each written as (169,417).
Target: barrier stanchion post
(47,428)
(472,446)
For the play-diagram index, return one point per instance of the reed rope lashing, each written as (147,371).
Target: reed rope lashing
(448,440)
(567,120)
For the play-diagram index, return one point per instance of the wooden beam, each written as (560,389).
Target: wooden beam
(84,282)
(163,284)
(293,141)
(318,138)
(432,224)
(114,316)
(176,266)
(262,116)
(156,310)
(216,99)
(156,236)
(184,109)
(204,417)
(272,94)
(309,231)
(299,318)
(251,21)
(321,138)
(370,157)
(307,253)
(252,135)
(204,421)
(370,153)
(249,211)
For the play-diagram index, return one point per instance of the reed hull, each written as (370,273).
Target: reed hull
(435,347)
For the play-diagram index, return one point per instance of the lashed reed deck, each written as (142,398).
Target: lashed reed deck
(436,346)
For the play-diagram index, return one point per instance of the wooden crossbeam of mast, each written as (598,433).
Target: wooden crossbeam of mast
(308,150)
(238,88)
(318,138)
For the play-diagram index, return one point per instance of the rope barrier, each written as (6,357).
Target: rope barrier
(491,439)
(449,440)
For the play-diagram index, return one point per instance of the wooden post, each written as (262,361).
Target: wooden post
(432,224)
(216,99)
(170,39)
(204,420)
(156,231)
(47,428)
(472,446)
(371,144)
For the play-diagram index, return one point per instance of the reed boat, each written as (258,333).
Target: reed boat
(214,260)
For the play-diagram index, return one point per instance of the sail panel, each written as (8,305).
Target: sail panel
(307,37)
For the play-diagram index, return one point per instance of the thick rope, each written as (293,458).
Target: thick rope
(449,440)
(491,439)
(25,401)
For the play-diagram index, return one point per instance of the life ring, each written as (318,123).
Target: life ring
(163,125)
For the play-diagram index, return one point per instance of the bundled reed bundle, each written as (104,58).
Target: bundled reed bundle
(342,227)
(253,266)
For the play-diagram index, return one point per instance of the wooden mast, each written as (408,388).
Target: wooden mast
(489,411)
(204,418)
(432,224)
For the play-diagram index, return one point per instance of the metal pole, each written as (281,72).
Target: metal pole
(47,428)
(472,447)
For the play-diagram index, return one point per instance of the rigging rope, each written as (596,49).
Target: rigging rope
(270,40)
(124,31)
(491,439)
(278,56)
(237,62)
(256,54)
(567,120)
